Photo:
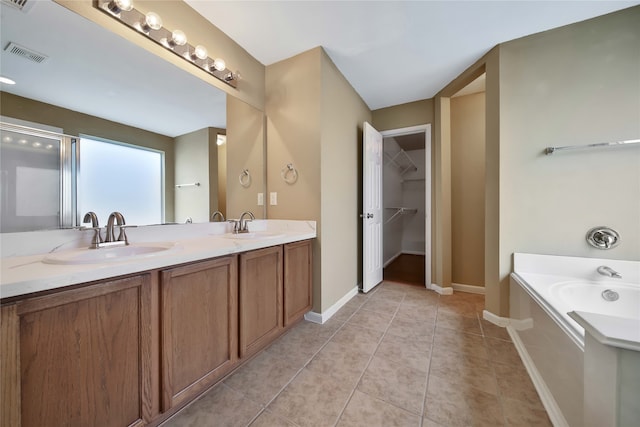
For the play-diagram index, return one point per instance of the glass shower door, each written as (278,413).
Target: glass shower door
(35,179)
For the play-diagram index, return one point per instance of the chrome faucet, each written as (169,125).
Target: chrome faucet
(97,237)
(120,222)
(217,214)
(243,227)
(609,272)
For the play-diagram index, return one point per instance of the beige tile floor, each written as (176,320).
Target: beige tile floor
(398,356)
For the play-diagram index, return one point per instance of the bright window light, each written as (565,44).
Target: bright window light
(123,178)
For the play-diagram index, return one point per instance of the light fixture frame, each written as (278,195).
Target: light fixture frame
(132,19)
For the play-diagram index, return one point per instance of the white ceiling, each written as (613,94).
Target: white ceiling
(392,52)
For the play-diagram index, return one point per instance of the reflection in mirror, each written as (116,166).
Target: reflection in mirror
(95,83)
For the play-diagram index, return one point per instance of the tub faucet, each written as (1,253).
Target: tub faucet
(119,219)
(609,272)
(243,228)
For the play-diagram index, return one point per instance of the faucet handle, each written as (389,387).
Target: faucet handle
(122,236)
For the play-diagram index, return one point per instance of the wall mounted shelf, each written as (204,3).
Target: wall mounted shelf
(402,162)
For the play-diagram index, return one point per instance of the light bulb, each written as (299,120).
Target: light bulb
(22,141)
(178,38)
(218,64)
(117,6)
(152,21)
(49,146)
(199,52)
(7,80)
(36,144)
(7,139)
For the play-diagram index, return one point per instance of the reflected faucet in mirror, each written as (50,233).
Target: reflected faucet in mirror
(217,214)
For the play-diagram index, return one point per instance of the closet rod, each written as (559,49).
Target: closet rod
(400,212)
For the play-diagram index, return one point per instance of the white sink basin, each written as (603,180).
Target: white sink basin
(253,235)
(115,254)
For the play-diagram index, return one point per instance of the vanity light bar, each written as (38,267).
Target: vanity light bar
(150,25)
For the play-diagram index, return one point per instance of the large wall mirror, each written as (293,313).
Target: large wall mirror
(94,84)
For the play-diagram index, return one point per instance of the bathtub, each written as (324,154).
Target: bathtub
(547,295)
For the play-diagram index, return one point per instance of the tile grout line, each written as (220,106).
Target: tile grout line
(266,405)
(368,363)
(433,341)
(493,370)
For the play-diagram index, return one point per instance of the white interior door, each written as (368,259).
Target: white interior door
(372,208)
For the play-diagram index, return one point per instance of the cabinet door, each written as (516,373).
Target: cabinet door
(260,298)
(199,327)
(82,356)
(298,292)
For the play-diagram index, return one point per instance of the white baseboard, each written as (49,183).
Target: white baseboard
(442,291)
(549,403)
(326,315)
(471,289)
(414,253)
(503,322)
(495,319)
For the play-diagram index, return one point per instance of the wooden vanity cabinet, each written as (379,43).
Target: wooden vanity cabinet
(199,327)
(298,297)
(260,294)
(132,351)
(79,357)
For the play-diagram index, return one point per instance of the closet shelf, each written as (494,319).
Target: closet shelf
(402,162)
(400,211)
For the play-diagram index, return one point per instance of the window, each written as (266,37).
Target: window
(119,177)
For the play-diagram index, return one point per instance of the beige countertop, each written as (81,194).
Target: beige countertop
(27,273)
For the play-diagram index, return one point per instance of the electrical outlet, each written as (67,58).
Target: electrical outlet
(273,198)
(260,199)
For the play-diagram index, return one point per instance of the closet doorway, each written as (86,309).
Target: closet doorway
(406,200)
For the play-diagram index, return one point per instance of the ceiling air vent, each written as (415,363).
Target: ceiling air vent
(26,53)
(23,5)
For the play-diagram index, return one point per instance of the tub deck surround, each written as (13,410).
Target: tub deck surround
(25,273)
(610,330)
(562,284)
(579,348)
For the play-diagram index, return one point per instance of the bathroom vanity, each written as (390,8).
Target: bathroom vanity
(131,349)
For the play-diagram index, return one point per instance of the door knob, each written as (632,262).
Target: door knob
(369,215)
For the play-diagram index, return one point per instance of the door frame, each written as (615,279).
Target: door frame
(426,128)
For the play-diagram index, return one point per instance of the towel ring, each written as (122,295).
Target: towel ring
(289,174)
(245,178)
